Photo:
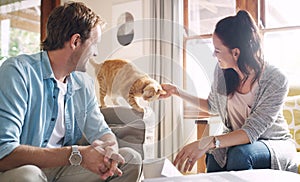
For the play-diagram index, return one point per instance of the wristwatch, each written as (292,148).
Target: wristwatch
(217,142)
(75,157)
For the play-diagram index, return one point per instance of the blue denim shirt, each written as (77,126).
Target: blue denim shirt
(28,104)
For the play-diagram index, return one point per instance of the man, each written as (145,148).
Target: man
(48,104)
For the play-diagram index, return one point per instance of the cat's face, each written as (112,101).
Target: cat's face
(152,91)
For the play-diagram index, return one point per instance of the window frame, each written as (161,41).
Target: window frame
(46,7)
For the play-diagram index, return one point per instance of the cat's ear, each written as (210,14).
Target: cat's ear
(147,90)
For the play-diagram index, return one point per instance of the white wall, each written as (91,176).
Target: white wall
(109,48)
(102,7)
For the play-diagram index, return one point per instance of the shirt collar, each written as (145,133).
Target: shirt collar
(46,67)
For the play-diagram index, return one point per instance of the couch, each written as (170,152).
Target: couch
(128,126)
(291,112)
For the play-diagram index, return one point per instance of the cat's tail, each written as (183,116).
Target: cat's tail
(96,65)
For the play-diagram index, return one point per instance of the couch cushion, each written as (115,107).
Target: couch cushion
(128,126)
(291,112)
(121,114)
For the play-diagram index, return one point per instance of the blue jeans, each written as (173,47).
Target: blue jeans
(242,157)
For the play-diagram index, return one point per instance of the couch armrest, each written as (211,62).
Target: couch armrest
(128,126)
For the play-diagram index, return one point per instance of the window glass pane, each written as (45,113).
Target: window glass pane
(200,65)
(204,14)
(282,50)
(19,28)
(281,13)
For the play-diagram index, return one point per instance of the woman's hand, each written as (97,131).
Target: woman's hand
(190,153)
(170,90)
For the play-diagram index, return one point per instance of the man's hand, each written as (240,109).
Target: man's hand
(94,159)
(111,157)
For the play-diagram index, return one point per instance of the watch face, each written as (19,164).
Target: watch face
(217,143)
(75,159)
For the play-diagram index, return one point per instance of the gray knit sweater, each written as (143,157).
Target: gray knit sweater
(265,122)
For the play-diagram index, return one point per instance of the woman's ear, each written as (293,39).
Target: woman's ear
(235,53)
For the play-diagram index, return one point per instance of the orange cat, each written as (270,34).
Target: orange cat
(121,78)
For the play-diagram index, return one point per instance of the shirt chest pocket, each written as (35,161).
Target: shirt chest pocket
(74,127)
(80,118)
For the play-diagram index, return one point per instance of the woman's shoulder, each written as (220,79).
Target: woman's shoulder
(271,72)
(273,77)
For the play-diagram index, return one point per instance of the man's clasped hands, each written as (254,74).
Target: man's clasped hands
(108,162)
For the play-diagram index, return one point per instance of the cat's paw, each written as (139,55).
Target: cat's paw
(115,102)
(139,109)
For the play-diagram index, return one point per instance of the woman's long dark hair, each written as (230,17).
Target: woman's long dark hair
(241,32)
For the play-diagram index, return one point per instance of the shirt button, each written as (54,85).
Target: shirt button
(52,119)
(54,97)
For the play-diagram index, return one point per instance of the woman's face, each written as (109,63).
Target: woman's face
(226,57)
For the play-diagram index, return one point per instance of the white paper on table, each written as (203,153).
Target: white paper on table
(159,167)
(169,170)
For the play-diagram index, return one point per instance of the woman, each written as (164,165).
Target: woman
(248,95)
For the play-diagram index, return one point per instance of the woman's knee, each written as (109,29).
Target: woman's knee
(212,165)
(248,156)
(238,158)
(23,174)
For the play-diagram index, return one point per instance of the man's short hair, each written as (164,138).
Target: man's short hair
(67,20)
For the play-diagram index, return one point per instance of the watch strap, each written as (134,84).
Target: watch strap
(217,142)
(75,149)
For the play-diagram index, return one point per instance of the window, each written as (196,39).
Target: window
(280,13)
(281,35)
(199,63)
(199,60)
(204,14)
(19,27)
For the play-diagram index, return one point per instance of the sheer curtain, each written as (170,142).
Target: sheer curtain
(166,65)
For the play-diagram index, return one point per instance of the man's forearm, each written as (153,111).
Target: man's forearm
(41,157)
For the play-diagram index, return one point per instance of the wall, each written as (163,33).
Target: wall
(108,47)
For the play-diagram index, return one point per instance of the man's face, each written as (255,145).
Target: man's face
(88,49)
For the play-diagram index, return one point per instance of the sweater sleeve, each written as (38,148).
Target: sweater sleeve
(214,102)
(268,104)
